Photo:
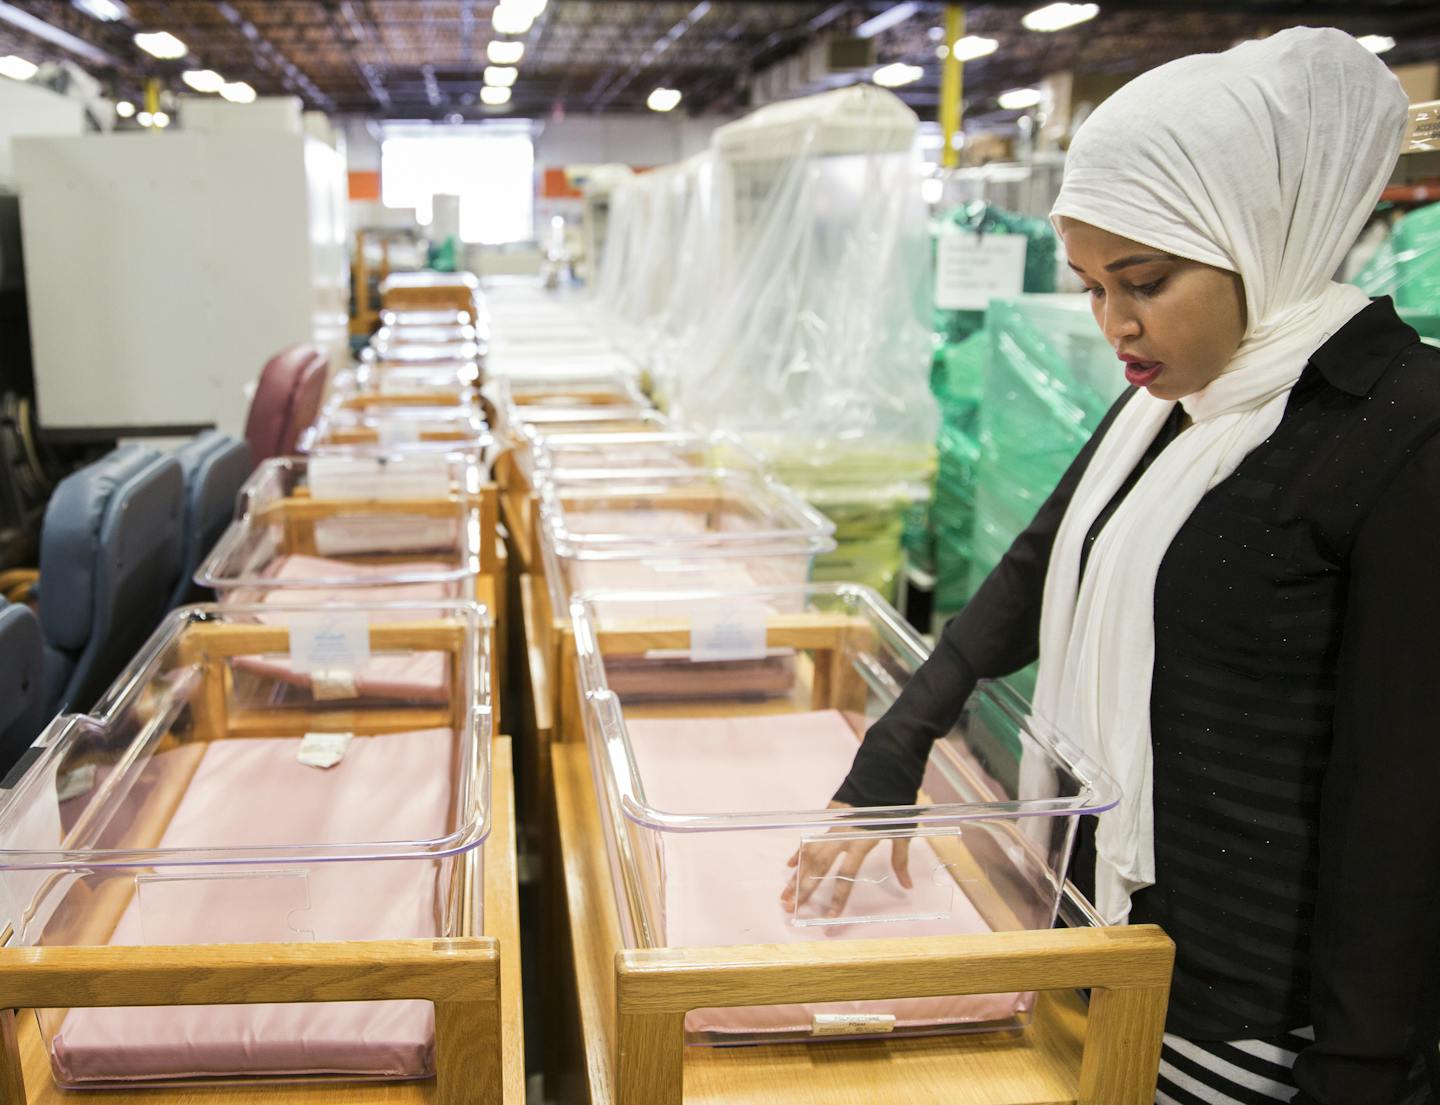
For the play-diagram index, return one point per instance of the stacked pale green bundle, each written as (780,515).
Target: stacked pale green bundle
(868,494)
(1407,268)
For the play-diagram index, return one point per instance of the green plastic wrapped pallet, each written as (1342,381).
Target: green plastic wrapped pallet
(1407,268)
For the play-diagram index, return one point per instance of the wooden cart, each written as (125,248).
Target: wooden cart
(624,1009)
(472,979)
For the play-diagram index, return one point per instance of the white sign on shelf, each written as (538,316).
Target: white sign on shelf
(727,632)
(329,642)
(972,269)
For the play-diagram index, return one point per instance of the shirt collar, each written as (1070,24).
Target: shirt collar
(1355,355)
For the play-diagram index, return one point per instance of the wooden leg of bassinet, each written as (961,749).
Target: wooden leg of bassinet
(468,1064)
(12,1074)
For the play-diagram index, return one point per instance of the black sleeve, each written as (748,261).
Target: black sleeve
(1377,913)
(997,633)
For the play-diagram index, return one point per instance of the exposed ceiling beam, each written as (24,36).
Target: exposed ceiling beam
(52,34)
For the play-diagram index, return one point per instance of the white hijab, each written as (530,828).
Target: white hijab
(1265,161)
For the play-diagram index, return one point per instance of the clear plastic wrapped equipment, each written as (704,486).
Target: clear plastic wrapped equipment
(811,334)
(1406,267)
(706,791)
(349,529)
(207,802)
(1050,378)
(817,313)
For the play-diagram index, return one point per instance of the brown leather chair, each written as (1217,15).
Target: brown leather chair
(287,400)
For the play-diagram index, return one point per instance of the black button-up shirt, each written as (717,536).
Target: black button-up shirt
(1295,718)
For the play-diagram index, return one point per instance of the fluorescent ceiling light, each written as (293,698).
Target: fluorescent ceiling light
(125,109)
(1017,99)
(505,53)
(890,17)
(1377,44)
(203,80)
(160,119)
(17,68)
(1056,17)
(238,92)
(495,96)
(107,10)
(500,76)
(896,74)
(144,118)
(974,46)
(161,44)
(510,18)
(663,99)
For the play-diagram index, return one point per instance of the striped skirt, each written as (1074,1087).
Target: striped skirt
(1243,1072)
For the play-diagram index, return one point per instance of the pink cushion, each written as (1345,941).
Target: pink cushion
(723,888)
(253,791)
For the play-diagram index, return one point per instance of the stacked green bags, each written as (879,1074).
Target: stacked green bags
(1049,378)
(1407,268)
(957,377)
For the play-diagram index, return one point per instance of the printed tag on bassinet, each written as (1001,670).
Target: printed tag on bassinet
(851,1024)
(324,749)
(392,431)
(731,631)
(329,642)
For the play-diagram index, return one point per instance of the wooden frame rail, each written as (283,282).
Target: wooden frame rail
(1127,969)
(460,976)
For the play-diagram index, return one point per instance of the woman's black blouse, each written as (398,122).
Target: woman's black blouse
(1295,719)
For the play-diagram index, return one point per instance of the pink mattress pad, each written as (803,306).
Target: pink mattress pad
(253,791)
(421,676)
(723,888)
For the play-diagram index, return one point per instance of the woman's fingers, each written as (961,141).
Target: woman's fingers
(900,861)
(846,876)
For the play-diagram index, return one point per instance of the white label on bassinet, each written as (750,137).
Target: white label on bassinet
(324,749)
(851,1024)
(733,631)
(329,642)
(328,686)
(972,269)
(374,478)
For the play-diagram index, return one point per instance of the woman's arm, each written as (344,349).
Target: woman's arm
(998,632)
(1377,915)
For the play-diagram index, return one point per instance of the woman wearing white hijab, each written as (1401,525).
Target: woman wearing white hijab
(1234,592)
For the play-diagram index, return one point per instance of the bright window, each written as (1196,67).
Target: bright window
(491,169)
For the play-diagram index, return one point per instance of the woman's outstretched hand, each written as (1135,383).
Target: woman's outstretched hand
(821,856)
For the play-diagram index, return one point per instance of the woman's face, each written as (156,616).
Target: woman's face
(1175,323)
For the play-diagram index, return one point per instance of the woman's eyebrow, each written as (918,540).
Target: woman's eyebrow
(1126,262)
(1137,259)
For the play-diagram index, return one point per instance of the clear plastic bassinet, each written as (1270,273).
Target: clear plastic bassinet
(408,427)
(215,796)
(667,531)
(711,784)
(323,529)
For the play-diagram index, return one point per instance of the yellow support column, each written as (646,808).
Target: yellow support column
(952,85)
(152,98)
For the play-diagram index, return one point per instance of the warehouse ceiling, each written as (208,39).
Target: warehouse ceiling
(423,59)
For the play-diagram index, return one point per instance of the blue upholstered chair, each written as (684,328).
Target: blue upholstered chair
(215,467)
(110,550)
(22,682)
